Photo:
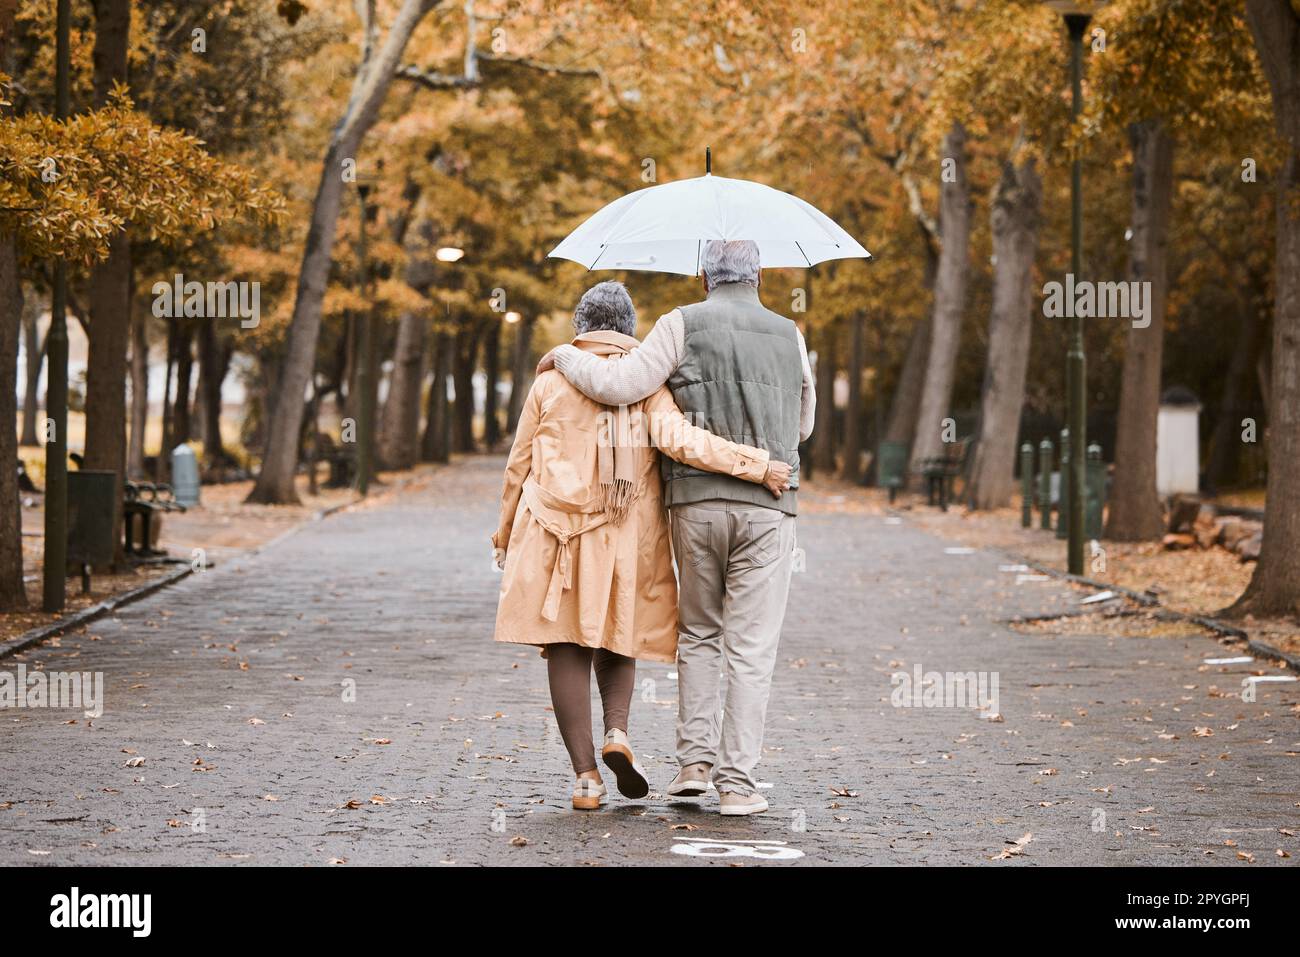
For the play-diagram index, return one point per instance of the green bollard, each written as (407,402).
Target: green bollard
(1026,485)
(1045,453)
(1096,492)
(1063,504)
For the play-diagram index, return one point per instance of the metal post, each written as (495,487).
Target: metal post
(1046,453)
(56,388)
(1026,485)
(1062,508)
(1076,367)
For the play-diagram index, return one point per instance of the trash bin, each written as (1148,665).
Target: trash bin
(90,517)
(891,467)
(185,476)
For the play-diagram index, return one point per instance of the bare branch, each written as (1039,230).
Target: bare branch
(434,81)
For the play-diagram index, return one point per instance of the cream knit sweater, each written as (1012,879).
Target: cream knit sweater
(647,367)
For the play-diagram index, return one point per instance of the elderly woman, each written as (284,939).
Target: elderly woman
(584,543)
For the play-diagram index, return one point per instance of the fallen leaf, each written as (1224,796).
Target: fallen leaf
(1016,849)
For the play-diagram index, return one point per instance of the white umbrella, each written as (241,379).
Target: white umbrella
(664,228)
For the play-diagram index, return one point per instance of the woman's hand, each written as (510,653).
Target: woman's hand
(777,479)
(499,558)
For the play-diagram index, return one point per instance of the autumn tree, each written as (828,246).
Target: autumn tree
(1169,73)
(1275,586)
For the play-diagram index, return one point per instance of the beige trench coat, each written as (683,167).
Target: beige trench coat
(571,576)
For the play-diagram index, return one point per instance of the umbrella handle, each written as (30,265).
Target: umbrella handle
(708,160)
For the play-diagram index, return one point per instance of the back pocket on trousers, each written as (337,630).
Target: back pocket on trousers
(764,543)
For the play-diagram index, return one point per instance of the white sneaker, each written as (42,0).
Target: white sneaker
(588,795)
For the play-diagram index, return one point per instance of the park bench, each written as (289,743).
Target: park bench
(342,461)
(343,468)
(939,471)
(143,500)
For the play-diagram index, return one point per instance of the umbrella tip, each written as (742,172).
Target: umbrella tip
(708,160)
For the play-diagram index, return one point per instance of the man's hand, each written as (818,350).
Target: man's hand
(547,363)
(777,479)
(499,558)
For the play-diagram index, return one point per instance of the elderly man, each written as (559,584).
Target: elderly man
(741,371)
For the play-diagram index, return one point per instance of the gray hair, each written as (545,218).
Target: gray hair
(730,260)
(605,305)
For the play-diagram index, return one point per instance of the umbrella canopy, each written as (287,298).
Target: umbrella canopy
(664,228)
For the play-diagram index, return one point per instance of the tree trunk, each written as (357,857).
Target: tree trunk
(182,428)
(1275,587)
(492,369)
(139,393)
(1135,512)
(1014,223)
(110,290)
(851,463)
(275,483)
(906,403)
(464,359)
(214,362)
(399,436)
(520,375)
(162,468)
(436,445)
(12,593)
(949,300)
(1225,442)
(33,353)
(823,437)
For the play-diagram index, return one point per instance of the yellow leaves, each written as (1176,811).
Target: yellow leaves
(67,187)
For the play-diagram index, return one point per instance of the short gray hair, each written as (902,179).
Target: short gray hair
(605,306)
(730,260)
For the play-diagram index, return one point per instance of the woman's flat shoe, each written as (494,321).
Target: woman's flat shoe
(588,795)
(618,757)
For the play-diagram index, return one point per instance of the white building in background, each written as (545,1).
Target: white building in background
(1178,443)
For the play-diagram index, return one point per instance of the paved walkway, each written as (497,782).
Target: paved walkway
(338,697)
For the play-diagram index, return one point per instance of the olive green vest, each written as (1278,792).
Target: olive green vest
(741,377)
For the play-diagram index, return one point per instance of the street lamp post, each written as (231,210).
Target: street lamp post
(365,347)
(56,386)
(1077,16)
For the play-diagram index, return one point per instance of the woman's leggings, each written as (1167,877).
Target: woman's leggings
(569,668)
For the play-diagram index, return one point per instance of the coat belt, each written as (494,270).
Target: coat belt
(540,503)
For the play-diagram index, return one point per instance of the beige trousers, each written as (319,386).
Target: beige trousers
(733,566)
